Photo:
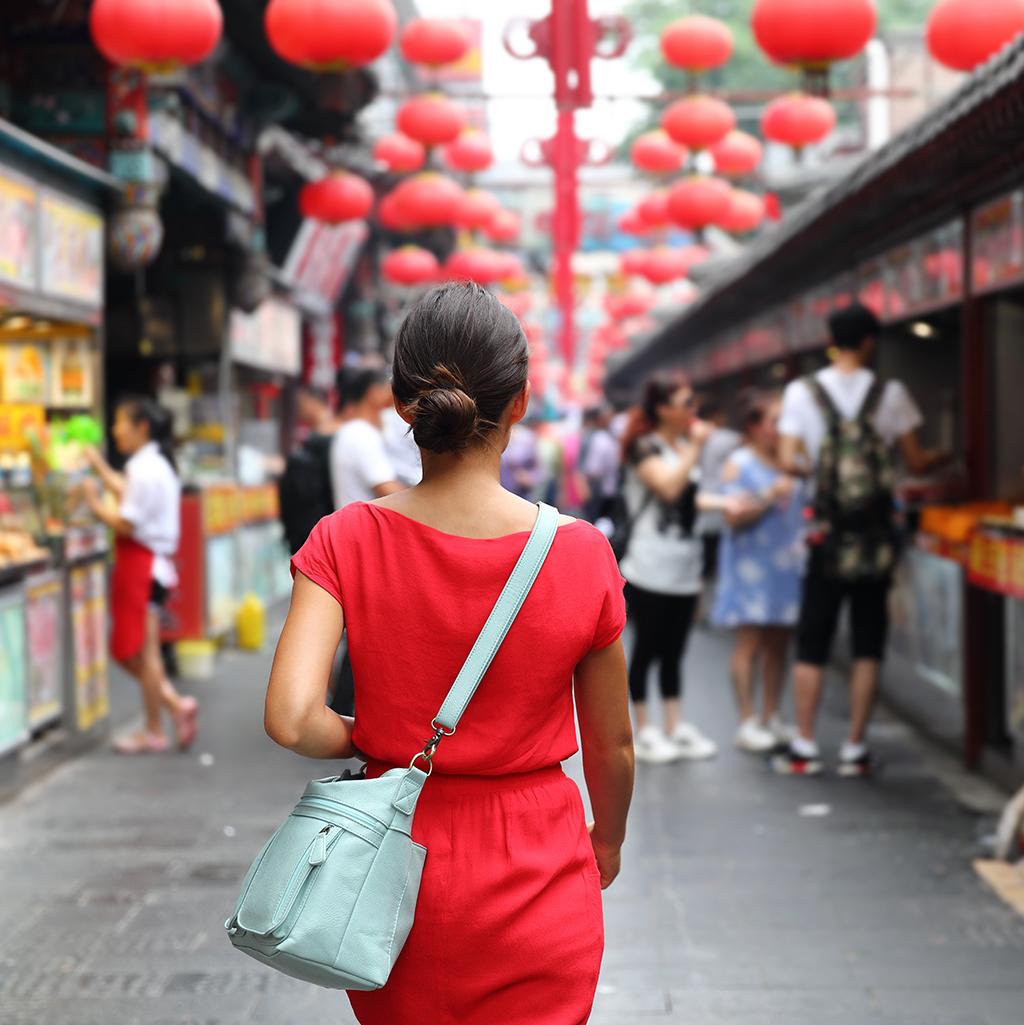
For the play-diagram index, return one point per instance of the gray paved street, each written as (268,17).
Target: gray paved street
(733,907)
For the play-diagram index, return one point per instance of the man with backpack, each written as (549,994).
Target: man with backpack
(841,428)
(304,490)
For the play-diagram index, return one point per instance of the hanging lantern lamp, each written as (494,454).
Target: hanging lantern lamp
(337,198)
(410,265)
(330,35)
(962,35)
(155,35)
(737,155)
(798,120)
(433,41)
(477,209)
(432,119)
(470,152)
(812,34)
(698,202)
(697,43)
(427,200)
(656,153)
(400,153)
(698,122)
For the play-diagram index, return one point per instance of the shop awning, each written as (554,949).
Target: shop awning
(959,154)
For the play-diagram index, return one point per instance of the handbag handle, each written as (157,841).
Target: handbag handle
(494,631)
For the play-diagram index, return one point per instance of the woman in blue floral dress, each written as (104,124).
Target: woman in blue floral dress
(762,563)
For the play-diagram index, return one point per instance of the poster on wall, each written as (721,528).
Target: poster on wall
(72,250)
(26,373)
(43,601)
(71,374)
(18,255)
(89,641)
(13,670)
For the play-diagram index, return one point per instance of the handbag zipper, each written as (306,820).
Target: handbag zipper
(343,811)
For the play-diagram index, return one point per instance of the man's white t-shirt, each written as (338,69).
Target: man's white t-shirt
(151,503)
(897,413)
(359,463)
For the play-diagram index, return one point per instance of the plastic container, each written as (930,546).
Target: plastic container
(196,659)
(251,623)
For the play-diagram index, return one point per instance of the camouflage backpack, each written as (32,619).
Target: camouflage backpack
(853,501)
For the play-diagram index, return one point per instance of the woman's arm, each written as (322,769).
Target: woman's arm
(111,517)
(112,480)
(602,704)
(666,481)
(295,715)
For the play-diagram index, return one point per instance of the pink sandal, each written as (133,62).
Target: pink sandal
(186,722)
(141,744)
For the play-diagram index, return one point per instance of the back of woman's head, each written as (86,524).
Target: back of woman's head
(461,357)
(142,409)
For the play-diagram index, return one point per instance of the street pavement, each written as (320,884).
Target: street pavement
(744,899)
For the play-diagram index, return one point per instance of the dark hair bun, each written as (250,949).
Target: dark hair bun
(446,420)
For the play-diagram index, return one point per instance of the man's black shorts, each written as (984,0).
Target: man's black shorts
(823,600)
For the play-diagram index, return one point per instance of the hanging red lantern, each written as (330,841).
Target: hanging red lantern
(746,212)
(697,202)
(470,152)
(509,267)
(798,120)
(330,35)
(433,41)
(736,155)
(963,35)
(390,217)
(155,35)
(698,121)
(626,305)
(410,265)
(656,153)
(338,197)
(665,264)
(477,265)
(697,43)
(813,33)
(632,224)
(427,200)
(400,153)
(477,209)
(432,119)
(653,210)
(504,226)
(634,262)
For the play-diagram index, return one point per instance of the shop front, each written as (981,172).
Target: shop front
(53,558)
(929,233)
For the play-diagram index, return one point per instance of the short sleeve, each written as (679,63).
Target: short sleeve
(897,413)
(641,449)
(373,462)
(611,620)
(316,559)
(133,506)
(793,415)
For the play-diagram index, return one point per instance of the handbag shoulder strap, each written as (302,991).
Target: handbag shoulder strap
(502,616)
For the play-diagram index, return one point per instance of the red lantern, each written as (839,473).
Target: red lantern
(505,226)
(698,121)
(738,154)
(400,153)
(155,35)
(410,265)
(338,197)
(798,120)
(634,262)
(696,202)
(746,212)
(813,33)
(508,267)
(477,209)
(470,152)
(427,200)
(665,265)
(963,35)
(390,217)
(656,153)
(626,305)
(632,224)
(432,119)
(653,210)
(433,41)
(330,35)
(697,43)
(477,265)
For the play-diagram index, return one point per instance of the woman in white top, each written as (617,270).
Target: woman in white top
(146,526)
(663,560)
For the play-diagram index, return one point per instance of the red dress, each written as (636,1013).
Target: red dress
(509,927)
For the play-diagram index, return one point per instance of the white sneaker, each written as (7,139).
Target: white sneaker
(651,745)
(782,732)
(755,738)
(691,743)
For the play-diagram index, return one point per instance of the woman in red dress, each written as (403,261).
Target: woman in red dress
(509,927)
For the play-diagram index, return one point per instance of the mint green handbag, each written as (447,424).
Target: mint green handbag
(331,897)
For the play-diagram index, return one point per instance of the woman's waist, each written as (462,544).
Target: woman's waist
(467,785)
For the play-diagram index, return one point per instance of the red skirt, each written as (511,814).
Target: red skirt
(509,927)
(130,583)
